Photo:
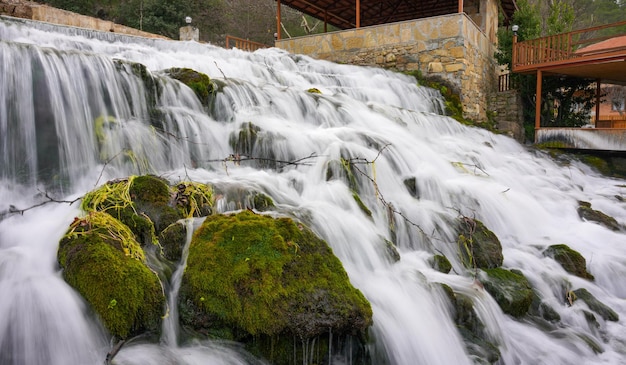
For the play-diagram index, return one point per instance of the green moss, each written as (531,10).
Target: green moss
(553,144)
(262,202)
(172,240)
(151,197)
(510,289)
(114,198)
(572,261)
(314,90)
(441,264)
(452,100)
(361,205)
(103,262)
(261,276)
(198,82)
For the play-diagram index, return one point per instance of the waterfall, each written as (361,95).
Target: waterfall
(79,109)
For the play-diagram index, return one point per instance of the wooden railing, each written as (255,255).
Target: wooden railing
(565,47)
(243,44)
(506,83)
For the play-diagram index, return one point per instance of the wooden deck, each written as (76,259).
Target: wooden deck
(582,53)
(598,54)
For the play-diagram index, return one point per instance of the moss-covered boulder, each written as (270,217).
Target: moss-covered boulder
(147,204)
(441,264)
(254,278)
(595,305)
(478,246)
(101,260)
(587,213)
(572,261)
(510,289)
(198,82)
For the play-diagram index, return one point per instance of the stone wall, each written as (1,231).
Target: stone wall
(507,107)
(450,47)
(44,13)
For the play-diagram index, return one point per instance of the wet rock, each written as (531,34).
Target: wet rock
(595,305)
(510,289)
(540,309)
(411,186)
(572,261)
(253,278)
(101,260)
(585,212)
(392,251)
(478,246)
(470,327)
(198,82)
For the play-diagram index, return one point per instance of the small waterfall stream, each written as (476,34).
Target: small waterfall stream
(77,110)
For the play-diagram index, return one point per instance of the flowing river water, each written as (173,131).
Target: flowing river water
(73,114)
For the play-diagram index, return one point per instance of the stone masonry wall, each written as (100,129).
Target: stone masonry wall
(507,106)
(450,47)
(34,11)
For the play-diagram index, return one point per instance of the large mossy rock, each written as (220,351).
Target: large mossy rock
(510,289)
(198,82)
(478,246)
(251,278)
(572,261)
(101,260)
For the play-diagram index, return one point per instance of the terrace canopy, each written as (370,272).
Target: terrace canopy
(347,14)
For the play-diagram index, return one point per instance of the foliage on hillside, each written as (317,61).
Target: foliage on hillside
(253,20)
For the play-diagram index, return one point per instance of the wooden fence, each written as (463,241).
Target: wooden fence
(243,44)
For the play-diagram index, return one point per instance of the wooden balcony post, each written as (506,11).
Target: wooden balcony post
(460,6)
(598,97)
(358,13)
(278,20)
(538,103)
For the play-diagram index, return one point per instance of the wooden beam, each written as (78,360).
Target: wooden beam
(538,103)
(278,20)
(358,13)
(460,6)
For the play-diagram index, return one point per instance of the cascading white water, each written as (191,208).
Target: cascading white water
(54,86)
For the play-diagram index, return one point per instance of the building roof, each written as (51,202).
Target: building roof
(342,13)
